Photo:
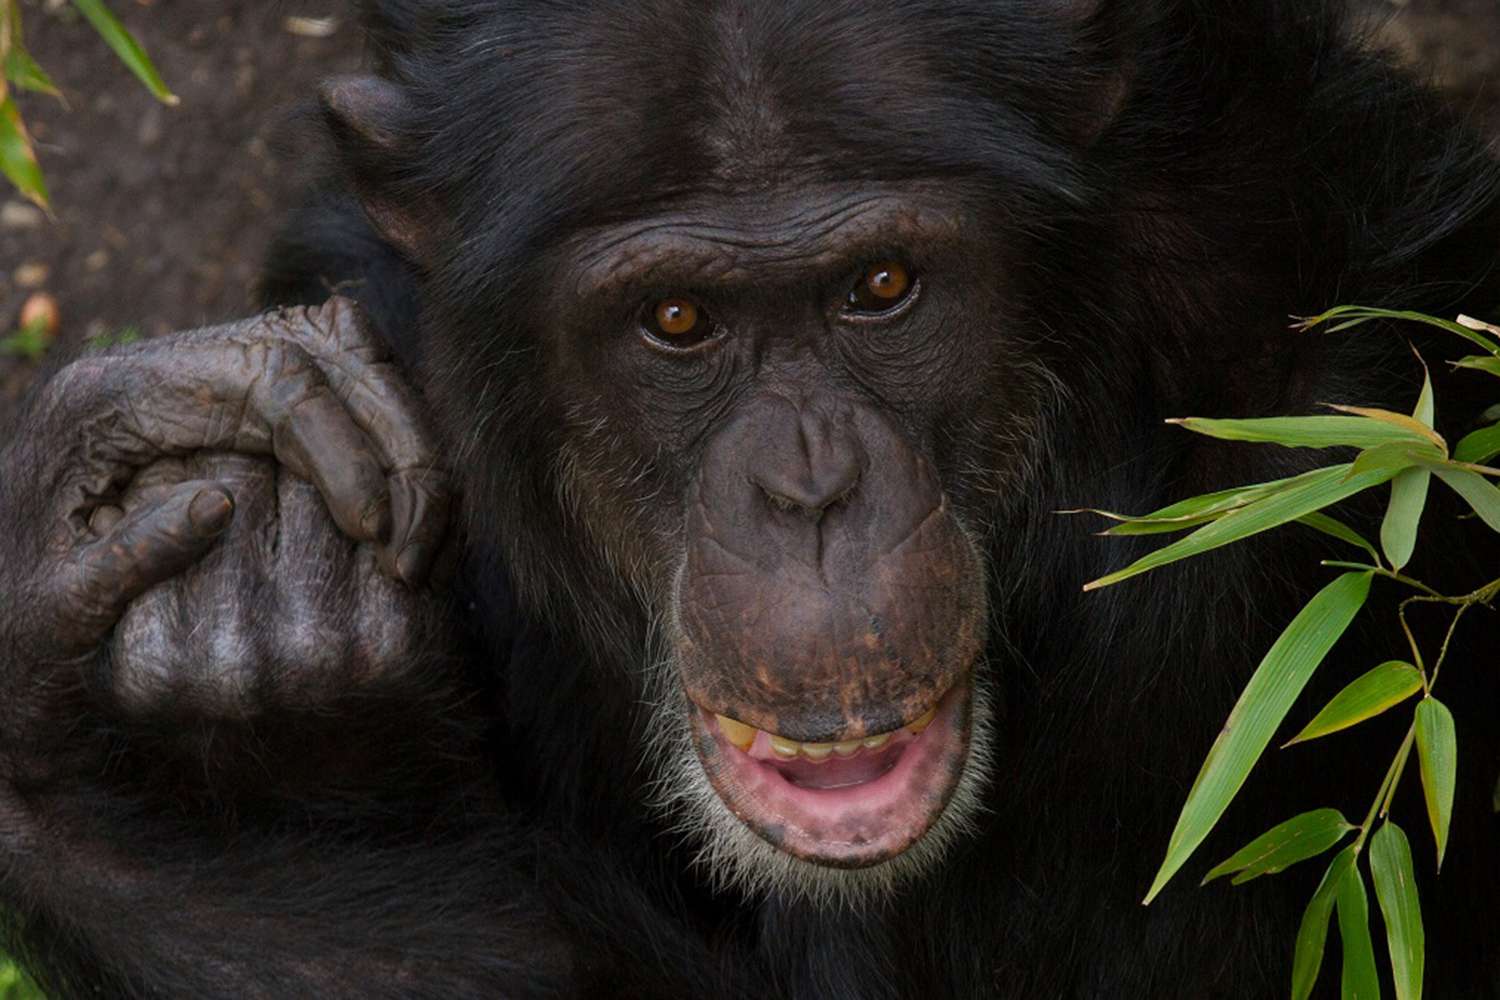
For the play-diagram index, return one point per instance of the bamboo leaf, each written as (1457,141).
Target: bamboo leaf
(1363,698)
(1299,838)
(1490,365)
(1262,706)
(1480,446)
(1424,412)
(1325,487)
(1360,979)
(1312,934)
(1411,425)
(1355,315)
(1194,510)
(17,158)
(1335,528)
(1478,492)
(23,71)
(1437,752)
(1397,455)
(1398,531)
(1396,889)
(1362,431)
(125,47)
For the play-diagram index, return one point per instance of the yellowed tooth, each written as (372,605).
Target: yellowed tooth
(784,747)
(736,732)
(875,742)
(924,721)
(817,751)
(846,748)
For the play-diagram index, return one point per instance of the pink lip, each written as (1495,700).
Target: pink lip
(844,813)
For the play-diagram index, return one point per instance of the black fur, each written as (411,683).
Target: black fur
(1182,176)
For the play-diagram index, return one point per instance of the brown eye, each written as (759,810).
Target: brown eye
(677,322)
(882,287)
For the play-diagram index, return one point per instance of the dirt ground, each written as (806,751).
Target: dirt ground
(163,213)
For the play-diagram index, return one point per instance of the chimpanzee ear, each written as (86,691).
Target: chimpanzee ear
(370,119)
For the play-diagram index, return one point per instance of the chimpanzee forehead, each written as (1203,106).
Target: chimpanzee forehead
(543,116)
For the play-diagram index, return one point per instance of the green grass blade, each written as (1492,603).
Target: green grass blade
(1335,528)
(126,47)
(1478,492)
(1437,752)
(1398,531)
(1327,486)
(1312,934)
(1262,706)
(1479,447)
(1299,838)
(1307,432)
(1396,889)
(1425,412)
(1363,698)
(17,157)
(1360,979)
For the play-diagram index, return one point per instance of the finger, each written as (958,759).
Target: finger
(359,371)
(148,547)
(313,435)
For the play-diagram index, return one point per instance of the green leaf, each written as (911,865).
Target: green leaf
(1299,838)
(1338,529)
(1312,935)
(1355,315)
(126,47)
(1400,421)
(1360,980)
(1308,432)
(1396,888)
(1490,365)
(1398,532)
(1363,698)
(1437,751)
(23,71)
(1480,493)
(1194,510)
(1278,680)
(1480,446)
(1318,490)
(1398,455)
(17,158)
(1425,412)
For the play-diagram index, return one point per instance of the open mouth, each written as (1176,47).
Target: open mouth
(848,804)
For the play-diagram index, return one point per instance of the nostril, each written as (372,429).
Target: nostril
(810,497)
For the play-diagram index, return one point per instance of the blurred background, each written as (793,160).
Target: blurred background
(162,213)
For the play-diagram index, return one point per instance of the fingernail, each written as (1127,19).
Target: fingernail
(377,522)
(210,512)
(411,564)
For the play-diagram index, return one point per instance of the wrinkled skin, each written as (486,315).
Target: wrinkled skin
(222,524)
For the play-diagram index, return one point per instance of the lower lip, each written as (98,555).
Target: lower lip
(849,825)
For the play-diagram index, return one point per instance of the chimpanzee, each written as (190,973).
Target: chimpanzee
(627,565)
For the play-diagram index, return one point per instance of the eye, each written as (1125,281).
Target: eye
(883,287)
(677,322)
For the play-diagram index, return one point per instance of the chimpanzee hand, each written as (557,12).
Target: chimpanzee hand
(182,490)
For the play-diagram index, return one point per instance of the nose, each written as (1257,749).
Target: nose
(813,468)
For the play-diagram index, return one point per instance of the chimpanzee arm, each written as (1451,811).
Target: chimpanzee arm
(239,752)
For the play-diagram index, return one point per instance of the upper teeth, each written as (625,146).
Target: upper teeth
(743,736)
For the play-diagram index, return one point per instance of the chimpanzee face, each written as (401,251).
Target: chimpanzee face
(756,389)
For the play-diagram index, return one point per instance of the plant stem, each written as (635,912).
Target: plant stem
(1386,784)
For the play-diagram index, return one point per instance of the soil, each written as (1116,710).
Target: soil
(162,214)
